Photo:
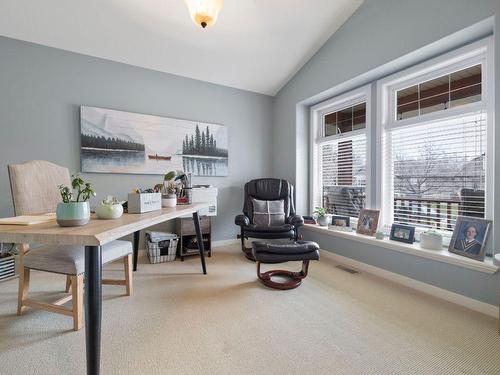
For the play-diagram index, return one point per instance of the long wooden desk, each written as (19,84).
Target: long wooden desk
(92,236)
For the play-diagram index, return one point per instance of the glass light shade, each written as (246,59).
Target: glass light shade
(204,12)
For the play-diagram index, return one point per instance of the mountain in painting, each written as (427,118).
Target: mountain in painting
(97,137)
(90,129)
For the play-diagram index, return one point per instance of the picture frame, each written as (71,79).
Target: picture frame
(469,237)
(341,221)
(368,222)
(309,220)
(402,233)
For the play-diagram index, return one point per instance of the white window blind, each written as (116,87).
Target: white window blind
(339,145)
(343,175)
(437,171)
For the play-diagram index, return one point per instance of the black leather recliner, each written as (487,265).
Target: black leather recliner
(268,189)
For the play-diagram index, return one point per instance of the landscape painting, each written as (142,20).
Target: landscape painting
(125,142)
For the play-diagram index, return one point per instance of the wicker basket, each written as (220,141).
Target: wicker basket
(162,251)
(7,266)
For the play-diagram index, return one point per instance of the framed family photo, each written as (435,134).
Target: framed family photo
(368,222)
(402,233)
(469,237)
(341,221)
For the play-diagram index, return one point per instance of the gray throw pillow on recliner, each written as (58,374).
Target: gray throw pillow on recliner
(268,213)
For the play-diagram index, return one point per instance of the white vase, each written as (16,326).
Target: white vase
(169,200)
(431,240)
(323,221)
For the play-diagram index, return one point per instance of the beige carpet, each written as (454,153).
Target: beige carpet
(181,322)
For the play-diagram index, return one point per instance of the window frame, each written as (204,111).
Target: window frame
(317,138)
(480,52)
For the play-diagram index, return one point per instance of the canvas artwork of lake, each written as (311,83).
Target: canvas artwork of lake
(124,142)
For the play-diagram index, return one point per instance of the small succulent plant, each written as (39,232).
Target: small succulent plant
(80,191)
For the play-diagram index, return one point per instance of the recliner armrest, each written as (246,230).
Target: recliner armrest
(242,220)
(296,221)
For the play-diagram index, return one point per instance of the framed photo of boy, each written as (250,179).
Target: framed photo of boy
(367,222)
(469,237)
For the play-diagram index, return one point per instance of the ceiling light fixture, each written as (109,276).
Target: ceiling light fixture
(204,12)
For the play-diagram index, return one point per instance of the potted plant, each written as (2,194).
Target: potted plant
(322,216)
(109,208)
(74,210)
(168,189)
(169,197)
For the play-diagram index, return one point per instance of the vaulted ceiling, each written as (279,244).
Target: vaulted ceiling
(256,45)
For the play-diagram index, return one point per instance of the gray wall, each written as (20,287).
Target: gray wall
(383,36)
(42,88)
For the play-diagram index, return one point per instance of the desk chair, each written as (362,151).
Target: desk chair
(34,187)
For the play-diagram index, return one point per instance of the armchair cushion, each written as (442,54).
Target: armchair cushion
(242,220)
(269,232)
(268,213)
(295,220)
(269,228)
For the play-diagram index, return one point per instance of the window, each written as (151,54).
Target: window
(345,120)
(436,141)
(438,94)
(339,135)
(439,171)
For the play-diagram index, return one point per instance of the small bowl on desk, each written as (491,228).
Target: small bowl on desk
(110,208)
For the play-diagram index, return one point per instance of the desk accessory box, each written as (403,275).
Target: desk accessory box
(143,202)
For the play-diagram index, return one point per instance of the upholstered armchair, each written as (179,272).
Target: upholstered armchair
(268,212)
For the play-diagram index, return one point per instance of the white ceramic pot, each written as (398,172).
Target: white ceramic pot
(431,240)
(323,221)
(109,211)
(169,200)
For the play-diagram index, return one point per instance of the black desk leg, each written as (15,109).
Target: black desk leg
(199,238)
(136,248)
(93,307)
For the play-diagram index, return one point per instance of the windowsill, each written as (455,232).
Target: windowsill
(414,249)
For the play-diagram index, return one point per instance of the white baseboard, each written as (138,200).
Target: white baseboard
(220,243)
(482,307)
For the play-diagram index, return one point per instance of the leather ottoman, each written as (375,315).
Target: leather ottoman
(264,252)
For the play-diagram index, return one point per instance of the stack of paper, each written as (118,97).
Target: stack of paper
(28,219)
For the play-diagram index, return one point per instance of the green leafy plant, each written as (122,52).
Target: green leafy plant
(81,190)
(171,187)
(170,176)
(320,211)
(168,186)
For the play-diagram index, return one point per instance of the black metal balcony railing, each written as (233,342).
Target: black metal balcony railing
(342,200)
